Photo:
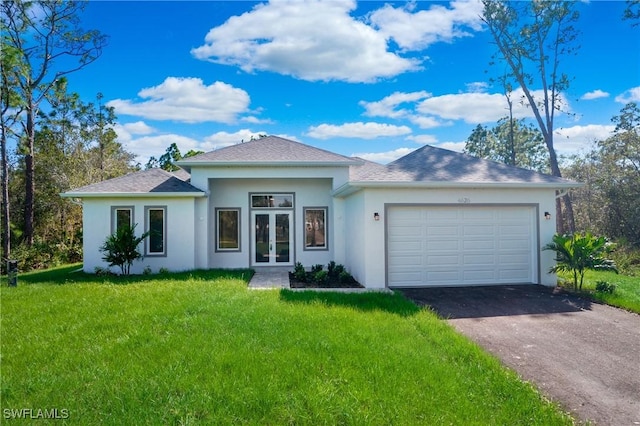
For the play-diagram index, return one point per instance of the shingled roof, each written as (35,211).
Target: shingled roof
(431,166)
(152,182)
(269,150)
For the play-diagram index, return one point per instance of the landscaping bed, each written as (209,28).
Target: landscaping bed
(335,276)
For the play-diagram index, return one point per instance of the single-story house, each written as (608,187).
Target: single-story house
(431,218)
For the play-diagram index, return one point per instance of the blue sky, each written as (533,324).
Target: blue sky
(372,79)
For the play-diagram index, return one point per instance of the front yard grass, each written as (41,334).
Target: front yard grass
(626,294)
(200,348)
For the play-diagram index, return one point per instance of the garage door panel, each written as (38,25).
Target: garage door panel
(440,230)
(461,245)
(442,277)
(402,246)
(452,259)
(478,230)
(437,245)
(408,261)
(514,244)
(479,244)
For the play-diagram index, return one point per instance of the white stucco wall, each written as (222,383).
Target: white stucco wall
(179,227)
(234,193)
(365,234)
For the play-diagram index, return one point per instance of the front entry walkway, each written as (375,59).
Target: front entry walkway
(268,278)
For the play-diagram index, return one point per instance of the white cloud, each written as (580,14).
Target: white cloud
(384,157)
(222,139)
(139,128)
(146,147)
(476,108)
(631,95)
(387,106)
(419,30)
(310,40)
(452,146)
(571,140)
(357,130)
(187,100)
(596,94)
(423,139)
(477,87)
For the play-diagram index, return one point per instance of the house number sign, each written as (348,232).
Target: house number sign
(464,200)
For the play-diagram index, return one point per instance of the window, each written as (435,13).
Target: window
(156,225)
(272,201)
(121,216)
(315,228)
(228,229)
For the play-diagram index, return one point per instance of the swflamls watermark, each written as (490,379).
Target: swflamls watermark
(35,413)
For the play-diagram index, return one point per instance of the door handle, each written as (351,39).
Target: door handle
(270,245)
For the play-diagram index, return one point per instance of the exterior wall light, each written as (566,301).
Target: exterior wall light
(547,215)
(376,216)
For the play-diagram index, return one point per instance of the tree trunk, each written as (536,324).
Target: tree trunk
(6,215)
(29,178)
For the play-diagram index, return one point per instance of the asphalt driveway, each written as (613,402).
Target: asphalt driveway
(583,355)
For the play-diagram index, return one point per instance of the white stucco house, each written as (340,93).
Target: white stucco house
(431,218)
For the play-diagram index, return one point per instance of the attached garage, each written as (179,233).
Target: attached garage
(458,245)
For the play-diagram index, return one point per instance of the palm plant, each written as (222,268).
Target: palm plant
(121,248)
(576,253)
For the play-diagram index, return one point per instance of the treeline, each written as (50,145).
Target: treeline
(58,141)
(609,202)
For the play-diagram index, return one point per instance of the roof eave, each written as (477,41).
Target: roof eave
(354,186)
(189,164)
(132,194)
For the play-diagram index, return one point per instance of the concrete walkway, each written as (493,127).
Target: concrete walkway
(270,278)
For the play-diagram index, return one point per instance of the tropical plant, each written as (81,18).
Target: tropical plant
(576,253)
(121,248)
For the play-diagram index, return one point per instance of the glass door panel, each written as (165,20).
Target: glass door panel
(283,238)
(261,238)
(272,238)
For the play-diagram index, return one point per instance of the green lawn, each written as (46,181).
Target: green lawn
(626,294)
(200,348)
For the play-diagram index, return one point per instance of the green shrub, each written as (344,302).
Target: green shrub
(345,277)
(300,273)
(316,268)
(321,277)
(163,271)
(605,287)
(147,270)
(331,268)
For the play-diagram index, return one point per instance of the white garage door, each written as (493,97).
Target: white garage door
(461,245)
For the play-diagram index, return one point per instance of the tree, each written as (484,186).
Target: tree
(632,12)
(532,38)
(121,248)
(510,142)
(43,33)
(9,111)
(577,253)
(168,159)
(609,203)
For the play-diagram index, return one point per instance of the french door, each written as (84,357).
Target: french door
(272,236)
